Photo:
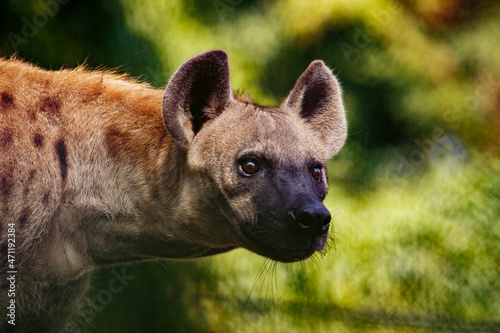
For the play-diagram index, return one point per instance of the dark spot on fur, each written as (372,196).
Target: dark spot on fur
(6,101)
(117,141)
(31,176)
(62,154)
(27,186)
(45,199)
(6,138)
(50,106)
(6,187)
(113,135)
(38,140)
(24,217)
(6,184)
(32,114)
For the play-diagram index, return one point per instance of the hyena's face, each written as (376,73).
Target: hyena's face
(263,169)
(272,176)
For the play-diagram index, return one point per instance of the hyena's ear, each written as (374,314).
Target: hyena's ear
(197,92)
(317,98)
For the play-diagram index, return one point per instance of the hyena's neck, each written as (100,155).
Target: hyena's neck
(144,216)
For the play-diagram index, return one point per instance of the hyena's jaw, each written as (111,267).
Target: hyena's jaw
(285,251)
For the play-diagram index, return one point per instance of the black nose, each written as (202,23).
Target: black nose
(313,217)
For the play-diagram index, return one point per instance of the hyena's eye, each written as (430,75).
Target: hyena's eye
(316,172)
(247,166)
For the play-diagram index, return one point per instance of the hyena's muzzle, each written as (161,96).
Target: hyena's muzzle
(292,222)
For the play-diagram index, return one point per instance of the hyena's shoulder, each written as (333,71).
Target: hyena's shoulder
(61,131)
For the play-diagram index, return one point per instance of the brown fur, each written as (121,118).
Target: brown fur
(97,169)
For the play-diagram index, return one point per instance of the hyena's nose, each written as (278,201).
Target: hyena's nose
(313,217)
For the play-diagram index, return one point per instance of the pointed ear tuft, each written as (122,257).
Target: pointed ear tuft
(317,98)
(197,92)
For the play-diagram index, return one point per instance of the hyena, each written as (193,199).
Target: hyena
(99,169)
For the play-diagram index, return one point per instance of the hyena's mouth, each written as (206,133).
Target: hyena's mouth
(284,248)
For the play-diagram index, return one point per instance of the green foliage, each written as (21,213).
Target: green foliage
(414,193)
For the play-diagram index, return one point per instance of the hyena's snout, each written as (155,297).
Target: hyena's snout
(311,221)
(291,230)
(312,217)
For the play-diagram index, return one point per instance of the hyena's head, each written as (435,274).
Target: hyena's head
(260,171)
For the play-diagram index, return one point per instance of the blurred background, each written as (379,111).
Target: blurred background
(414,193)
